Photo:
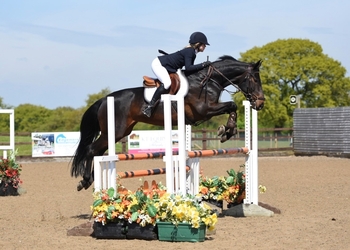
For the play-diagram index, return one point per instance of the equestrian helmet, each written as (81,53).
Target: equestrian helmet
(198,37)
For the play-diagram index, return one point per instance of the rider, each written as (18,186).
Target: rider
(163,65)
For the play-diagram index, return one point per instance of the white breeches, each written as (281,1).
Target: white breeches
(161,73)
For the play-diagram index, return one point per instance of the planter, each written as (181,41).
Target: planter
(182,232)
(112,230)
(215,203)
(135,231)
(124,230)
(238,201)
(8,190)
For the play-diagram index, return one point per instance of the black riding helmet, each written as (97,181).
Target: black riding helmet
(198,37)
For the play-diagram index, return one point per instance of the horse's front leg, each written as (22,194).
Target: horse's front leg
(226,132)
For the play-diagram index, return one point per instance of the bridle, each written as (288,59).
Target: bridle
(247,75)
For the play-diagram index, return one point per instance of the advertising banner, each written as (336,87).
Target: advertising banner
(51,144)
(149,141)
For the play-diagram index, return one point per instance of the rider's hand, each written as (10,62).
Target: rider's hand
(206,64)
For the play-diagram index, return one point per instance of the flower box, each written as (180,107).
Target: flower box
(136,231)
(7,190)
(112,230)
(182,232)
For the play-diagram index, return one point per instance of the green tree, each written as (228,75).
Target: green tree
(31,118)
(3,105)
(64,119)
(297,67)
(94,97)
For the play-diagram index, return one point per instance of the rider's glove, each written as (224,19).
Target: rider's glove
(206,64)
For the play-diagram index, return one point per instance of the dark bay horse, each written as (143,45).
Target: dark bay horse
(201,104)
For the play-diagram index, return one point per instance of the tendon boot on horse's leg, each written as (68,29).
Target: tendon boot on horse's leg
(230,129)
(84,184)
(149,109)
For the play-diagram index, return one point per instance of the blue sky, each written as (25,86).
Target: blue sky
(56,53)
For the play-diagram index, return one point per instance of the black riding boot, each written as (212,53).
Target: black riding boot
(149,109)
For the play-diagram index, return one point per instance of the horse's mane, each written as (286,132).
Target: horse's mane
(227,57)
(221,58)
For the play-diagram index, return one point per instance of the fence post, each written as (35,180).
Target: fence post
(251,165)
(204,139)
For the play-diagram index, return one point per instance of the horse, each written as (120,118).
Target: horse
(201,104)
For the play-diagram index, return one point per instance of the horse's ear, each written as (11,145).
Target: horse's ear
(257,64)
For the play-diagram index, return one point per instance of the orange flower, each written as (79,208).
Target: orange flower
(105,197)
(204,190)
(115,214)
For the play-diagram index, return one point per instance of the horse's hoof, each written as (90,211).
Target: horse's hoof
(80,186)
(83,184)
(223,138)
(234,131)
(221,130)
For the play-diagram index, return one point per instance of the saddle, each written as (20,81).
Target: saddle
(149,82)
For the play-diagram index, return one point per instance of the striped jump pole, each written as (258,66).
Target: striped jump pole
(144,172)
(142,156)
(213,152)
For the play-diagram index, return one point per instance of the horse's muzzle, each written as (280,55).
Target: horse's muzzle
(258,105)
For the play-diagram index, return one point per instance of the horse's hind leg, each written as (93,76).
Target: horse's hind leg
(88,178)
(97,148)
(226,132)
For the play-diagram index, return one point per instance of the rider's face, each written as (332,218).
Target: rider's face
(201,48)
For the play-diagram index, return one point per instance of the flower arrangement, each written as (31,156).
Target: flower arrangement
(176,208)
(126,205)
(230,188)
(150,205)
(10,172)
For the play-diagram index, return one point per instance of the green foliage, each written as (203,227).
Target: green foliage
(94,97)
(3,105)
(29,117)
(297,67)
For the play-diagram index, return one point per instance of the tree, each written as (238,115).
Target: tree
(64,119)
(31,118)
(94,97)
(297,67)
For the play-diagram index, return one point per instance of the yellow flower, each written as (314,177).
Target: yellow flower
(262,189)
(195,224)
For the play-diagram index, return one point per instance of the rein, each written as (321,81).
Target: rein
(245,76)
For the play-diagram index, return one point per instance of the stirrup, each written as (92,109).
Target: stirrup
(147,111)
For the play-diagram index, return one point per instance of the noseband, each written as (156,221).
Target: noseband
(246,76)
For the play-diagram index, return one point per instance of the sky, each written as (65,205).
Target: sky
(57,53)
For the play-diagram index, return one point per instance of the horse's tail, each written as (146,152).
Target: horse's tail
(89,130)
